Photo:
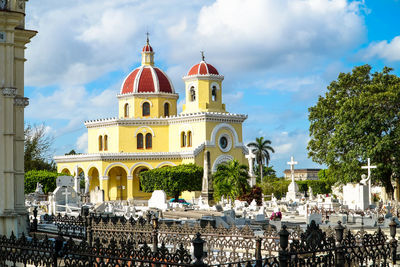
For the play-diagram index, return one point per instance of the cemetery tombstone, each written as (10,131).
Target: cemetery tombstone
(293,189)
(158,200)
(316,217)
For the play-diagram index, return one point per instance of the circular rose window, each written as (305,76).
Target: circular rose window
(225,143)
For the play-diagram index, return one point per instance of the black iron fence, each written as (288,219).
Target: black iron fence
(220,246)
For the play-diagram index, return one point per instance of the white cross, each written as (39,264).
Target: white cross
(369,167)
(292,163)
(66,193)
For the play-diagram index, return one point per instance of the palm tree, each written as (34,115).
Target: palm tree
(230,180)
(261,148)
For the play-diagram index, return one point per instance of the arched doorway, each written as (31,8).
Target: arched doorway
(66,171)
(117,183)
(81,176)
(136,188)
(94,179)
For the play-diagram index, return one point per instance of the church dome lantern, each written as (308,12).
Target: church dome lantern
(147,78)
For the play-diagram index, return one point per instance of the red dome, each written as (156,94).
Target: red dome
(147,79)
(203,68)
(147,48)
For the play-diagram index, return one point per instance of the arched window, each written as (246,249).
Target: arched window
(214,93)
(189,139)
(192,94)
(105,143)
(166,109)
(126,110)
(149,141)
(100,143)
(146,109)
(139,140)
(183,139)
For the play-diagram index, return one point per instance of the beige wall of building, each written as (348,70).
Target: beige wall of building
(302,174)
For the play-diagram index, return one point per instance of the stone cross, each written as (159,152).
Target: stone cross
(250,157)
(369,167)
(66,193)
(292,163)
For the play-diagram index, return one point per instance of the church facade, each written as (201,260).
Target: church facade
(149,133)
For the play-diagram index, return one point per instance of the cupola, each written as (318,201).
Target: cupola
(203,88)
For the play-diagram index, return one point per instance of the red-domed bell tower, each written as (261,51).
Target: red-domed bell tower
(203,87)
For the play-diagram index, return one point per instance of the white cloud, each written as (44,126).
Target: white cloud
(389,51)
(73,104)
(259,34)
(82,40)
(232,98)
(82,143)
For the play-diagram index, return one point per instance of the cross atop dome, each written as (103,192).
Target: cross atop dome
(147,53)
(202,56)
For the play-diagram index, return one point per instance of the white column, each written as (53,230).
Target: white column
(87,183)
(76,180)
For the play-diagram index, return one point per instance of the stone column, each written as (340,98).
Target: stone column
(76,180)
(87,184)
(129,184)
(104,187)
(13,38)
(207,191)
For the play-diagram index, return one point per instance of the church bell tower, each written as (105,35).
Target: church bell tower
(203,85)
(13,38)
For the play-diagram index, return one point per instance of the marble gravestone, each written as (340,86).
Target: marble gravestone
(97,196)
(65,199)
(293,189)
(158,200)
(67,181)
(356,196)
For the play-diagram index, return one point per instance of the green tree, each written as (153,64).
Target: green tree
(46,178)
(269,173)
(230,180)
(173,180)
(37,149)
(327,177)
(261,148)
(72,152)
(358,118)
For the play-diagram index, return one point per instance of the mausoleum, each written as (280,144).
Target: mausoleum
(149,133)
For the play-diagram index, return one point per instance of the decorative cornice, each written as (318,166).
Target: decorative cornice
(129,156)
(166,95)
(21,101)
(176,119)
(9,91)
(203,77)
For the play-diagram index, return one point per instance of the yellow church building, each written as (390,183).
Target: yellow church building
(149,133)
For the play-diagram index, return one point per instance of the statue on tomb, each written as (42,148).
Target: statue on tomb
(39,189)
(364,179)
(311,193)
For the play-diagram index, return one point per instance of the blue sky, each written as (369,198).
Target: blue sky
(277,58)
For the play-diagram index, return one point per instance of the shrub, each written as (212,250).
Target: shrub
(46,178)
(173,180)
(255,193)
